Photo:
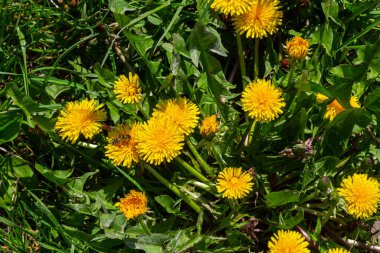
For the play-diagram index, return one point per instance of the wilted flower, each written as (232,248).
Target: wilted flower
(233,183)
(289,242)
(261,20)
(80,117)
(361,194)
(133,204)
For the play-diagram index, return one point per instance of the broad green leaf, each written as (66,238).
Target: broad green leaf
(280,198)
(58,177)
(10,125)
(170,205)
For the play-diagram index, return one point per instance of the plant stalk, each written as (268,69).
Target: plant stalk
(173,188)
(199,158)
(141,109)
(243,70)
(256,63)
(193,171)
(291,72)
(144,226)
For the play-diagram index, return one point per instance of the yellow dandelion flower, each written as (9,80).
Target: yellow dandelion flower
(80,117)
(122,145)
(209,126)
(233,183)
(334,108)
(127,89)
(133,204)
(261,20)
(159,140)
(321,98)
(262,100)
(338,250)
(297,48)
(181,111)
(361,194)
(289,242)
(232,7)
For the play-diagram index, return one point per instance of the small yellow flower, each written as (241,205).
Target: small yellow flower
(334,108)
(233,183)
(321,98)
(181,111)
(122,145)
(297,48)
(80,117)
(209,126)
(261,20)
(233,7)
(338,250)
(262,100)
(361,194)
(128,90)
(133,204)
(159,140)
(289,242)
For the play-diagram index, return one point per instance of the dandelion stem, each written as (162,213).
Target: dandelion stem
(144,226)
(291,72)
(173,188)
(241,58)
(254,132)
(256,63)
(141,109)
(193,171)
(199,158)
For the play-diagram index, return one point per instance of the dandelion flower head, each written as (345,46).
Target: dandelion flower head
(122,145)
(289,242)
(263,19)
(80,117)
(262,100)
(232,7)
(233,183)
(321,98)
(361,194)
(181,111)
(338,250)
(209,126)
(127,89)
(159,140)
(133,204)
(297,48)
(334,108)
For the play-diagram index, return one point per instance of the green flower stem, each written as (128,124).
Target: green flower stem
(199,158)
(141,109)
(174,189)
(254,132)
(243,70)
(256,63)
(291,72)
(144,226)
(193,171)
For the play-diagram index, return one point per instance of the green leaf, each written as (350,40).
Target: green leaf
(280,198)
(324,35)
(369,55)
(58,177)
(54,90)
(337,134)
(10,124)
(371,103)
(121,6)
(170,205)
(105,76)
